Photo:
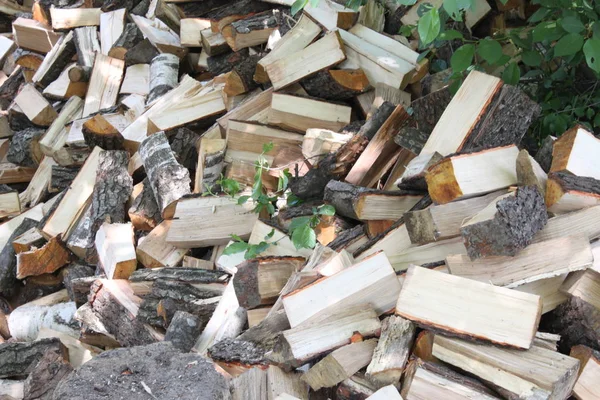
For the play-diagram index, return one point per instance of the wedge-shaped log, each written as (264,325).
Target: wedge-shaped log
(116,252)
(154,252)
(370,281)
(291,68)
(299,114)
(63,88)
(260,280)
(55,61)
(207,221)
(439,222)
(34,35)
(295,40)
(190,29)
(584,222)
(75,198)
(441,301)
(253,109)
(211,161)
(468,175)
(586,387)
(137,80)
(326,332)
(168,179)
(340,364)
(10,204)
(541,260)
(566,192)
(506,225)
(87,45)
(45,260)
(35,106)
(105,82)
(317,143)
(213,43)
(112,25)
(380,65)
(387,43)
(251,31)
(573,152)
(392,351)
(537,373)
(530,173)
(160,35)
(70,18)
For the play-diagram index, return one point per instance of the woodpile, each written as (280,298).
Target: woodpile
(456,265)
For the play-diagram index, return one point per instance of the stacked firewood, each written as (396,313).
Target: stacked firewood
(456,266)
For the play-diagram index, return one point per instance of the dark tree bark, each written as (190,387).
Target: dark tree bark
(129,38)
(190,275)
(517,220)
(72,272)
(325,86)
(427,110)
(20,358)
(577,322)
(392,21)
(97,131)
(18,121)
(342,196)
(184,330)
(238,351)
(141,53)
(49,371)
(219,9)
(241,78)
(10,87)
(112,5)
(544,154)
(168,179)
(8,260)
(183,143)
(144,212)
(411,139)
(347,236)
(63,57)
(62,177)
(24,149)
(164,73)
(224,63)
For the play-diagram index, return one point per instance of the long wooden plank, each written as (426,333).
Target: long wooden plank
(447,302)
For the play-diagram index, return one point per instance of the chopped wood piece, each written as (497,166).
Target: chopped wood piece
(211,158)
(168,179)
(252,384)
(112,25)
(75,198)
(46,375)
(393,95)
(137,80)
(33,35)
(183,331)
(280,382)
(209,221)
(10,205)
(536,373)
(586,387)
(116,251)
(566,192)
(317,143)
(380,153)
(53,142)
(429,380)
(45,260)
(12,173)
(63,88)
(35,106)
(164,71)
(154,252)
(541,260)
(160,35)
(144,212)
(105,81)
(422,300)
(259,281)
(28,240)
(213,43)
(572,153)
(190,31)
(300,114)
(337,84)
(253,108)
(386,393)
(252,30)
(392,351)
(379,64)
(529,172)
(355,387)
(506,225)
(55,61)
(295,40)
(240,79)
(322,54)
(340,364)
(8,265)
(346,288)
(100,131)
(457,177)
(129,38)
(69,18)
(114,302)
(439,222)
(416,170)
(20,359)
(87,45)
(25,149)
(544,154)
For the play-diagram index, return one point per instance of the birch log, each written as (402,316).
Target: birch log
(164,71)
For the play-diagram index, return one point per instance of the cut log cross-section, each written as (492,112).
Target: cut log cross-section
(573,152)
(116,252)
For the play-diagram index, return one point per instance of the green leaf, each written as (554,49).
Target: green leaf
(326,210)
(531,58)
(450,34)
(490,50)
(270,234)
(423,55)
(406,30)
(304,237)
(539,15)
(283,182)
(451,7)
(511,74)
(547,30)
(572,24)
(298,5)
(237,238)
(243,199)
(297,223)
(293,200)
(591,49)
(255,249)
(462,58)
(407,2)
(267,147)
(230,186)
(597,120)
(235,248)
(429,26)
(569,44)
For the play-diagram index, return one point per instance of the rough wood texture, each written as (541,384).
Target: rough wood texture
(544,154)
(114,244)
(336,84)
(20,359)
(586,387)
(43,379)
(183,330)
(44,260)
(252,30)
(153,251)
(516,219)
(24,148)
(164,71)
(55,61)
(168,179)
(8,261)
(241,78)
(392,351)
(128,39)
(566,192)
(144,212)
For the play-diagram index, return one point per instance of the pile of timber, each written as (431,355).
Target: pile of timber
(457,266)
